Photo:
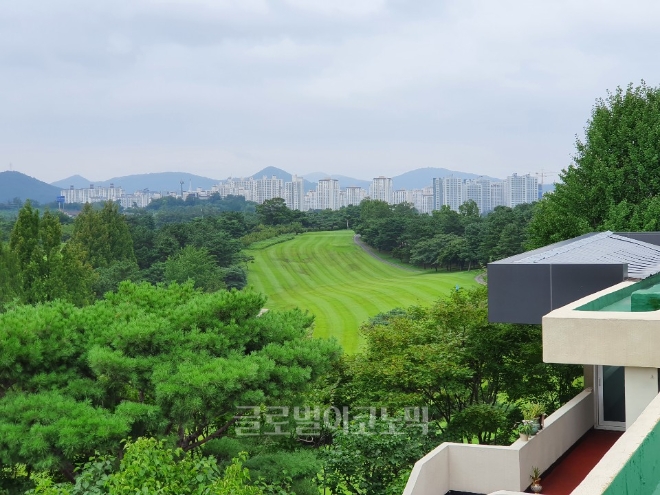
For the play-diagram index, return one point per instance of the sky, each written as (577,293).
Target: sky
(353,87)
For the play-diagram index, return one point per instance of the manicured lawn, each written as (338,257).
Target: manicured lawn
(328,275)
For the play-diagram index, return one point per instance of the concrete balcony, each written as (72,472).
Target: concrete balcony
(488,468)
(607,328)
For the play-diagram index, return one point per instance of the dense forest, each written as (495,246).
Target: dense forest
(130,340)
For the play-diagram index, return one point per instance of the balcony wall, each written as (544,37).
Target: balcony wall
(632,465)
(613,338)
(488,468)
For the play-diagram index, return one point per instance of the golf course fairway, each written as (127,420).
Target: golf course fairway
(329,275)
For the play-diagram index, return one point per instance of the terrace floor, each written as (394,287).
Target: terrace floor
(569,471)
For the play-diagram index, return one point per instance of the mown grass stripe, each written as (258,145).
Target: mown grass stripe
(327,274)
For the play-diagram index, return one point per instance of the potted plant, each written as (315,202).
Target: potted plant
(536,480)
(533,412)
(525,429)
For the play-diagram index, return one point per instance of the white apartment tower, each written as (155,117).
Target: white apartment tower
(438,194)
(327,194)
(92,194)
(473,191)
(521,189)
(354,195)
(497,194)
(453,192)
(402,196)
(485,205)
(265,189)
(381,189)
(310,201)
(294,193)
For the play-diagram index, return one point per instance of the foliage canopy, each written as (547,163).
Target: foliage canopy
(614,182)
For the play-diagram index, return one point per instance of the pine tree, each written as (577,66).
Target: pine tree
(103,235)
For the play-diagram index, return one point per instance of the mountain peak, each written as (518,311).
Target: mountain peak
(18,185)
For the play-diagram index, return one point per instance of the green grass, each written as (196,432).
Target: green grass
(328,275)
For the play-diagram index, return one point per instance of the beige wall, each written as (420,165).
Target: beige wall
(601,337)
(487,468)
(641,389)
(431,473)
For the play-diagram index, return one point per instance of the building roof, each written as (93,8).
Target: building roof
(643,258)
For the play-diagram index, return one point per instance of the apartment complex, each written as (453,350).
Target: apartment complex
(327,195)
(294,193)
(447,191)
(381,189)
(487,194)
(92,194)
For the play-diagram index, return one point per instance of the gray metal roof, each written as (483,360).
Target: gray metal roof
(643,259)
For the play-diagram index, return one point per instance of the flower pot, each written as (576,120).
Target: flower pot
(524,436)
(536,426)
(536,488)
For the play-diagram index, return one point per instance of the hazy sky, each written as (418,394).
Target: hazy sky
(353,87)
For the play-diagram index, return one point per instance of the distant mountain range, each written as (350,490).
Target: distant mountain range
(18,185)
(161,181)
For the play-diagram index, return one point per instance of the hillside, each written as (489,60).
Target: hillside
(415,179)
(423,177)
(17,185)
(162,181)
(77,181)
(344,181)
(341,285)
(282,174)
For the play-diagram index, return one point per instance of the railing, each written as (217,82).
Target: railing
(489,468)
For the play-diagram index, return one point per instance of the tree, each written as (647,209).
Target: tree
(24,236)
(369,457)
(197,265)
(616,170)
(165,362)
(109,278)
(273,212)
(467,371)
(149,466)
(10,276)
(103,235)
(45,269)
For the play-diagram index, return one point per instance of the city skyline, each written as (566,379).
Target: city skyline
(448,191)
(113,88)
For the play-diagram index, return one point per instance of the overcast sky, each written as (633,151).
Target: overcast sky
(353,87)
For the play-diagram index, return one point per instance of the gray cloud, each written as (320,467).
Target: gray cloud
(224,87)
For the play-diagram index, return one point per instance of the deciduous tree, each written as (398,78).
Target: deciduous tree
(615,172)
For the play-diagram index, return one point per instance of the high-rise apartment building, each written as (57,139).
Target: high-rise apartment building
(497,194)
(327,194)
(92,194)
(236,187)
(438,194)
(294,193)
(453,192)
(473,191)
(381,189)
(354,195)
(310,201)
(485,205)
(521,189)
(267,188)
(402,196)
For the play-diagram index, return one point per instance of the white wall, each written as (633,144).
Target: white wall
(487,468)
(641,389)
